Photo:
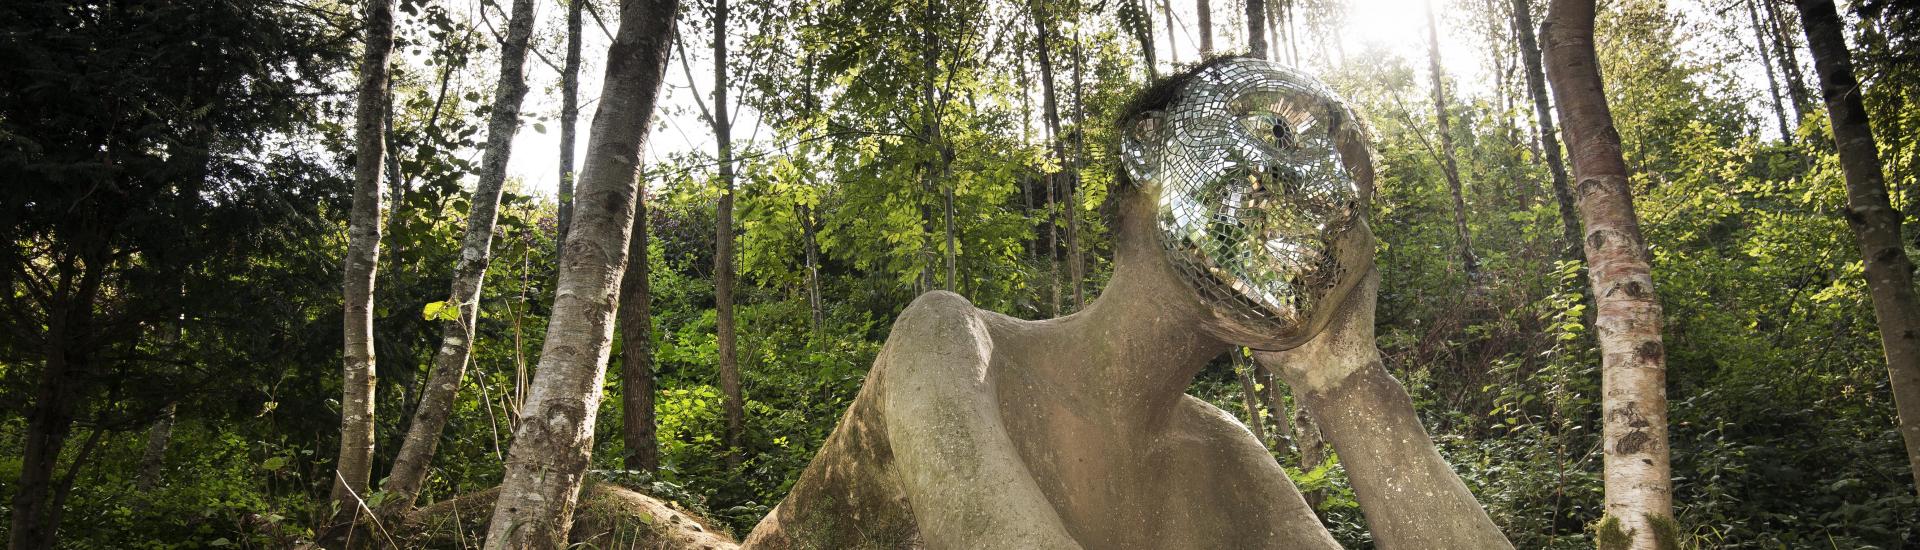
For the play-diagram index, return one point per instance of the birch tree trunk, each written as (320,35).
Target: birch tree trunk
(354,464)
(636,356)
(469,274)
(1876,225)
(1639,498)
(1447,165)
(569,119)
(553,441)
(1549,135)
(723,244)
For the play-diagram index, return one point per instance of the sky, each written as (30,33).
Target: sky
(1396,27)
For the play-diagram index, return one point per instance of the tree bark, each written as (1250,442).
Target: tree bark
(1076,263)
(1766,62)
(1205,10)
(810,241)
(1875,223)
(1639,498)
(569,120)
(354,465)
(553,441)
(1249,397)
(154,458)
(1256,29)
(1050,108)
(36,516)
(1447,165)
(636,355)
(1173,47)
(1783,51)
(1309,443)
(1549,136)
(723,245)
(469,274)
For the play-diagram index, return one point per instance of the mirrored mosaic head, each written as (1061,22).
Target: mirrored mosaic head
(1260,177)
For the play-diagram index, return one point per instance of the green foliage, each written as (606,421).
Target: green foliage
(1781,417)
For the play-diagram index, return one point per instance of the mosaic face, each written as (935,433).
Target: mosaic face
(1261,177)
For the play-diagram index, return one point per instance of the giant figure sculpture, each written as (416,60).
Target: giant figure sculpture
(1241,221)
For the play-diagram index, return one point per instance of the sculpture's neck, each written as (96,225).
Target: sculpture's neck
(1135,350)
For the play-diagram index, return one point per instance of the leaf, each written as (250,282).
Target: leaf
(274,464)
(538,127)
(440,311)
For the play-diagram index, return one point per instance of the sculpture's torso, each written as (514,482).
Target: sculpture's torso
(1178,474)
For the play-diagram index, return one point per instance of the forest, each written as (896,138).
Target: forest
(367,273)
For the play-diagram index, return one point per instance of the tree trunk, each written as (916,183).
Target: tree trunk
(553,441)
(1276,407)
(1549,136)
(1173,47)
(636,355)
(57,393)
(1310,444)
(723,244)
(1766,62)
(569,119)
(355,462)
(1249,396)
(1205,10)
(1076,264)
(469,275)
(1256,29)
(1639,498)
(1467,258)
(1050,107)
(1783,51)
(154,458)
(1876,225)
(810,243)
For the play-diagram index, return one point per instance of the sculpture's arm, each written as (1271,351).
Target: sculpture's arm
(967,484)
(1410,496)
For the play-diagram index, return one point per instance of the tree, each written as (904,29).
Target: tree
(554,440)
(1256,29)
(723,274)
(1543,116)
(476,254)
(1766,62)
(1050,110)
(636,356)
(133,136)
(1639,497)
(1205,13)
(1470,262)
(1875,223)
(569,116)
(355,462)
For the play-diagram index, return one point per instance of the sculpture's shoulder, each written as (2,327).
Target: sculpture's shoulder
(938,314)
(938,332)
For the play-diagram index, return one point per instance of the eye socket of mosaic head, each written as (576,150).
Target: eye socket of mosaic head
(1257,207)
